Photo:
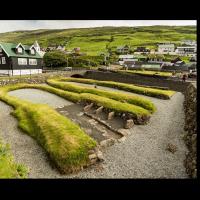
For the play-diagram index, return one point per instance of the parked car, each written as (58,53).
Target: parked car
(68,68)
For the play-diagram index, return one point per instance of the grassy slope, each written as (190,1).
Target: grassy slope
(158,93)
(135,100)
(8,168)
(65,142)
(94,40)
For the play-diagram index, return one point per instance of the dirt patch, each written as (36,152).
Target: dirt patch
(93,128)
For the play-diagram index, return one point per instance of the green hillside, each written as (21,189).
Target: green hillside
(93,41)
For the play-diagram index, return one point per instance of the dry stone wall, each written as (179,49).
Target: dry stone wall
(191,129)
(155,81)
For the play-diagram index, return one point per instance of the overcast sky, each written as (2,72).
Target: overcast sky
(13,25)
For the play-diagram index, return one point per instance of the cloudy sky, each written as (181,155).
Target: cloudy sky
(13,25)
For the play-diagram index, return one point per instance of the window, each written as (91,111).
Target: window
(32,61)
(3,60)
(19,50)
(32,51)
(22,61)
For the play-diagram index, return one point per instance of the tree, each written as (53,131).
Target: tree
(55,59)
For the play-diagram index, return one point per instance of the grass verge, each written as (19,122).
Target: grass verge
(145,72)
(129,98)
(152,92)
(65,142)
(8,168)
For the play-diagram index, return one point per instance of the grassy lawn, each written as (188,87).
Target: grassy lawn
(8,167)
(65,142)
(131,99)
(158,93)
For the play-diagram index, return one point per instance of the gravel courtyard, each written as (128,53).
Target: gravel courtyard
(142,155)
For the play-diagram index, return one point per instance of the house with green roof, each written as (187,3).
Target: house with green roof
(19,59)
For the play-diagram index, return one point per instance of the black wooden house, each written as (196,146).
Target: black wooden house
(18,59)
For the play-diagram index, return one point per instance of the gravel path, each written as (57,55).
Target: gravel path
(142,155)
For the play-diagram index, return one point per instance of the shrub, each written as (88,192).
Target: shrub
(8,168)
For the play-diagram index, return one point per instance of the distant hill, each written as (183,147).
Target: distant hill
(95,40)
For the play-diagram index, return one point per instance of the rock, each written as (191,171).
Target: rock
(194,174)
(108,142)
(123,132)
(129,124)
(100,156)
(89,131)
(92,156)
(99,110)
(122,139)
(172,148)
(80,114)
(111,115)
(88,107)
(91,151)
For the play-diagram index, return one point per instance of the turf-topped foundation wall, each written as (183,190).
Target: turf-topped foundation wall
(138,79)
(191,128)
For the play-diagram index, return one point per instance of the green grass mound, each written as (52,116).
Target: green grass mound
(148,73)
(152,92)
(138,114)
(131,99)
(65,142)
(8,168)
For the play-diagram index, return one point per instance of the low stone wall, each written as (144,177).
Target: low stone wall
(39,78)
(191,128)
(176,85)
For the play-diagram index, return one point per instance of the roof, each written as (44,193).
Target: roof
(166,45)
(126,56)
(187,47)
(9,50)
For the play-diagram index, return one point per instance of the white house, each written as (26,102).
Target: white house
(186,50)
(61,48)
(38,49)
(166,48)
(123,58)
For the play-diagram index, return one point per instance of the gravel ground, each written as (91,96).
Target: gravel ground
(142,155)
(39,96)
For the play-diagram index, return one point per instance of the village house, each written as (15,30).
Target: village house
(189,42)
(18,59)
(123,49)
(51,48)
(186,50)
(142,50)
(130,58)
(165,48)
(60,48)
(155,58)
